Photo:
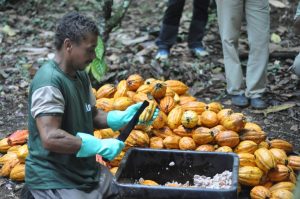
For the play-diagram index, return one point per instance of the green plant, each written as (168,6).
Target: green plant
(98,67)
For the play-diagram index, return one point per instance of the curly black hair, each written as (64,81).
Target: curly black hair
(75,27)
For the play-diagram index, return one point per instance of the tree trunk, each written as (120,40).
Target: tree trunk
(110,17)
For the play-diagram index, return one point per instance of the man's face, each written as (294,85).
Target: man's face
(83,53)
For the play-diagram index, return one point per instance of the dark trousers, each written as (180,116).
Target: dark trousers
(171,20)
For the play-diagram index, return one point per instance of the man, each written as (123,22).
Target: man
(61,161)
(257,14)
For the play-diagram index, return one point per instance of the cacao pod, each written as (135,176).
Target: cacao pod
(134,82)
(106,91)
(187,143)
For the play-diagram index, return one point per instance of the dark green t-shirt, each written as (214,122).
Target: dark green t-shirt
(50,170)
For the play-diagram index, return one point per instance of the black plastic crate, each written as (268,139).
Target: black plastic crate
(153,164)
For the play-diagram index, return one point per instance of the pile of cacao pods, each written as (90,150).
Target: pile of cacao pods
(188,124)
(14,151)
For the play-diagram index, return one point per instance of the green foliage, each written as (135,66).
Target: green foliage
(98,67)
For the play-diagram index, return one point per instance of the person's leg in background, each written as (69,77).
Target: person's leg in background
(169,28)
(258,28)
(230,14)
(297,20)
(296,65)
(197,27)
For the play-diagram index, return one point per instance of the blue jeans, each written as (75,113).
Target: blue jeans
(171,20)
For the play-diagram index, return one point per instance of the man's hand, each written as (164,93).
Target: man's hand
(117,119)
(107,148)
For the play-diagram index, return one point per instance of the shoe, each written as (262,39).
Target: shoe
(258,103)
(162,54)
(240,100)
(199,52)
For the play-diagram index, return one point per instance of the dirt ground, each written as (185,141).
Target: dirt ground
(131,49)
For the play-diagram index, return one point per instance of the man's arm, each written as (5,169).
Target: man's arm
(55,139)
(99,118)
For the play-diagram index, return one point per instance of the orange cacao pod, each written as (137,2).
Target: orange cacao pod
(281,144)
(156,143)
(106,91)
(250,126)
(137,138)
(255,136)
(198,107)
(206,147)
(279,156)
(183,132)
(186,98)
(214,106)
(187,143)
(158,89)
(8,166)
(160,120)
(281,194)
(250,176)
(121,89)
(18,137)
(167,104)
(4,146)
(264,159)
(174,117)
(134,82)
(260,192)
(18,173)
(283,185)
(139,97)
(264,144)
(279,173)
(227,138)
(171,142)
(294,162)
(202,135)
(246,146)
(145,88)
(209,119)
(224,149)
(163,132)
(246,159)
(8,157)
(106,104)
(177,86)
(189,119)
(224,113)
(122,103)
(234,122)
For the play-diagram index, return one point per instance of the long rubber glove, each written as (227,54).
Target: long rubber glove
(107,148)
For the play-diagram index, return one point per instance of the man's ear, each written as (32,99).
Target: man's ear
(68,45)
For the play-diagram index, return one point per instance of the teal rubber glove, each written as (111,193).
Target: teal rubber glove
(107,148)
(117,119)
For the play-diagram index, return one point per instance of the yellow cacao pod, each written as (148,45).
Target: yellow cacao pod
(18,173)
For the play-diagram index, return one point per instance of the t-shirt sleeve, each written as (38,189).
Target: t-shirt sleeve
(47,100)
